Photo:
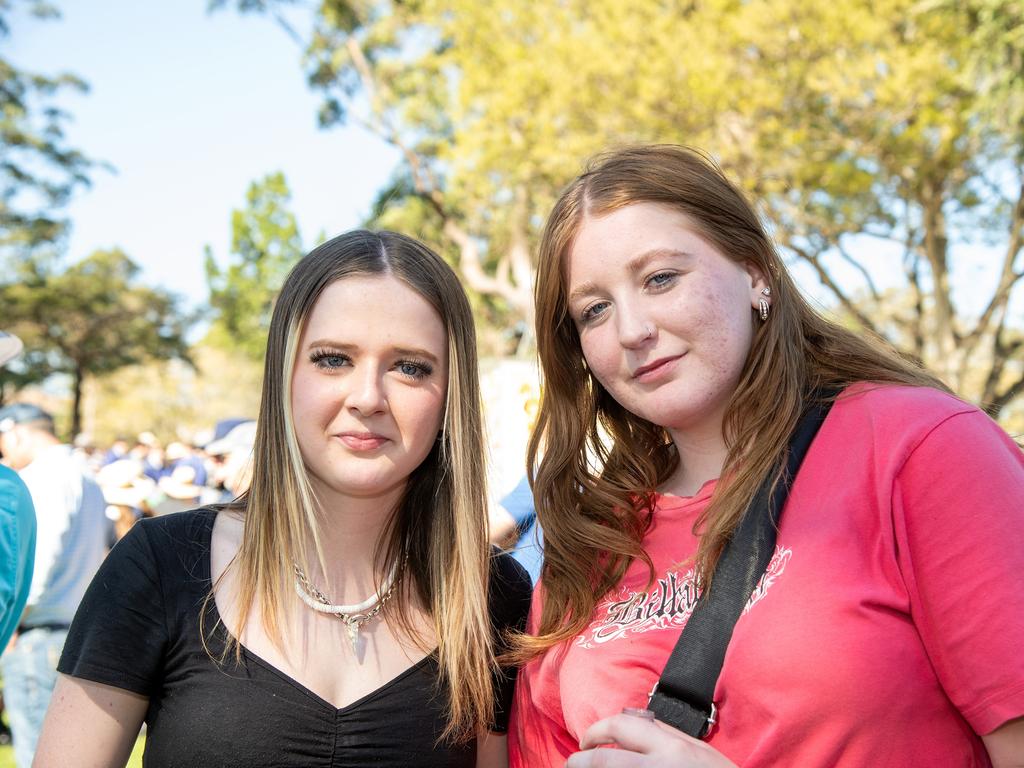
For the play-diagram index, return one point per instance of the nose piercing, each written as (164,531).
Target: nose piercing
(762,304)
(648,331)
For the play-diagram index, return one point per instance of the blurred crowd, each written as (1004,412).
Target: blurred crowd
(143,477)
(80,500)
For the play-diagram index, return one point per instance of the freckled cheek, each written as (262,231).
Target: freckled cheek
(602,358)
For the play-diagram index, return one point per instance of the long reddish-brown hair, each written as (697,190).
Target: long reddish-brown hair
(596,465)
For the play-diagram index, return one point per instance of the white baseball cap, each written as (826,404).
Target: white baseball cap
(10,347)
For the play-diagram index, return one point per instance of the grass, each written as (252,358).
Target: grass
(135,761)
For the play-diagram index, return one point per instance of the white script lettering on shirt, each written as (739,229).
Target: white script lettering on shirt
(668,604)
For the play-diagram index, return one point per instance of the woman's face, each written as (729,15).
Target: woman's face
(368,388)
(664,319)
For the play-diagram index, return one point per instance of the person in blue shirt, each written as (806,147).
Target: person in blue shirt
(17,530)
(17,550)
(515,520)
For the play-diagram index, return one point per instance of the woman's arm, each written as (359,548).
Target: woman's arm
(492,751)
(1005,744)
(89,725)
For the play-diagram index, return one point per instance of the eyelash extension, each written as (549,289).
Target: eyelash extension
(317,357)
(423,368)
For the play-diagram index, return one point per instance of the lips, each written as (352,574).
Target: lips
(362,441)
(656,370)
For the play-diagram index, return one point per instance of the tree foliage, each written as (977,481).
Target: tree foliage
(38,170)
(92,318)
(172,399)
(265,244)
(861,126)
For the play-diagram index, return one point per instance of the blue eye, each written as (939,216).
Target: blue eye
(413,369)
(327,360)
(661,279)
(593,311)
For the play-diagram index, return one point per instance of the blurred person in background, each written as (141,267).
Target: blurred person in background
(513,521)
(514,526)
(147,449)
(177,491)
(178,454)
(118,450)
(231,463)
(17,529)
(71,541)
(127,491)
(17,539)
(347,609)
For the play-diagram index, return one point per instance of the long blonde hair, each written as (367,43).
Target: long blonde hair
(437,533)
(597,464)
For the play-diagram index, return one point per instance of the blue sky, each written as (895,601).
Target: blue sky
(189,108)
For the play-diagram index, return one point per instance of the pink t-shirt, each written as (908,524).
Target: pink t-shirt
(887,630)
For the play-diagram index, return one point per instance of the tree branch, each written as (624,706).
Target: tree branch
(517,291)
(826,278)
(860,268)
(1008,278)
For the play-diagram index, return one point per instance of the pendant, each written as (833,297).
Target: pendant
(357,640)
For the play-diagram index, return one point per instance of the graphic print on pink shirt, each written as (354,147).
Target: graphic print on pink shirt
(670,603)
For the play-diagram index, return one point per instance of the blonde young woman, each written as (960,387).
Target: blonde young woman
(677,356)
(345,610)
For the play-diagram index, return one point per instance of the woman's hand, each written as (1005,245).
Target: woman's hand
(642,743)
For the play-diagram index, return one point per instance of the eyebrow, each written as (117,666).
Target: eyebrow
(401,351)
(636,264)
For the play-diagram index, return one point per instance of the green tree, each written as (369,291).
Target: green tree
(265,244)
(172,399)
(38,170)
(858,124)
(93,318)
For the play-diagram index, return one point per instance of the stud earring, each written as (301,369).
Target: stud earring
(762,304)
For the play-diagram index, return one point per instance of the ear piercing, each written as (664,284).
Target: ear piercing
(762,304)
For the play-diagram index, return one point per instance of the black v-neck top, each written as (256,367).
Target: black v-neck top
(138,629)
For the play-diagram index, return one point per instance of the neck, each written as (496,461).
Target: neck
(702,456)
(350,533)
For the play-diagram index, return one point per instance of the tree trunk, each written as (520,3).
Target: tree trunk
(76,405)
(936,244)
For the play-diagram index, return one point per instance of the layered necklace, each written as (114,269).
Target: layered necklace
(352,616)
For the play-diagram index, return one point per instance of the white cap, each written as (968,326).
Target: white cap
(10,347)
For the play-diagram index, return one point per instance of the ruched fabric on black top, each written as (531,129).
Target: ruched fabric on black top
(138,629)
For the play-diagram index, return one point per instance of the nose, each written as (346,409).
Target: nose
(634,327)
(367,395)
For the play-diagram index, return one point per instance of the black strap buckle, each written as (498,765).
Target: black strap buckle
(681,714)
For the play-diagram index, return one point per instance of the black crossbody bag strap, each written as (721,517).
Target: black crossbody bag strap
(683,697)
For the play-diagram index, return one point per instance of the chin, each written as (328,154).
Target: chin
(357,486)
(673,414)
